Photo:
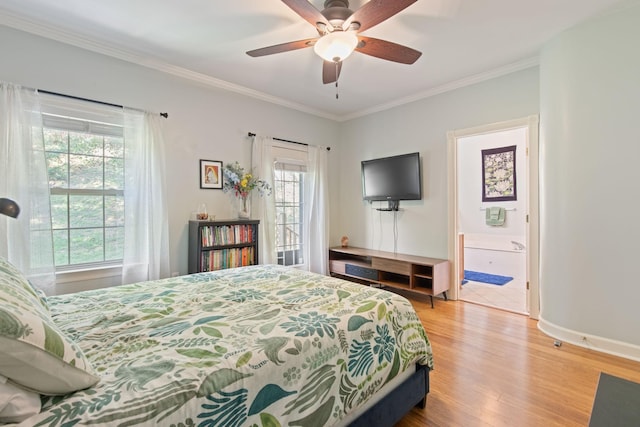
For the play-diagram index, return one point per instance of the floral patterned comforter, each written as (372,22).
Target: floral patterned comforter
(252,346)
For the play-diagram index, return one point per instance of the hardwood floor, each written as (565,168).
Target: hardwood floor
(495,368)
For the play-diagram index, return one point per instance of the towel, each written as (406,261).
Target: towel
(495,216)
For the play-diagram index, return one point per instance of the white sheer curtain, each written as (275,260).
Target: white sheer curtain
(317,210)
(262,165)
(146,228)
(316,206)
(23,178)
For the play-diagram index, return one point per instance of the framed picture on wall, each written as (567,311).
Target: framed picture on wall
(211,174)
(499,174)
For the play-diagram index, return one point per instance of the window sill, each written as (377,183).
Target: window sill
(83,275)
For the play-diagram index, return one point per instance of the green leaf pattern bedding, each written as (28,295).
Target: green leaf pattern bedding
(252,346)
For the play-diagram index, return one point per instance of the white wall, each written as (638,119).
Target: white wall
(203,123)
(420,126)
(471,215)
(589,103)
(590,146)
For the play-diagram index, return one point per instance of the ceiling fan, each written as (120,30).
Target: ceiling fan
(339,27)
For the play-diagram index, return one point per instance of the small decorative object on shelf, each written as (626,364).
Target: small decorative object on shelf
(241,184)
(243,207)
(344,242)
(201,214)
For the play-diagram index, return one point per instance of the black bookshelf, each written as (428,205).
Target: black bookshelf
(216,245)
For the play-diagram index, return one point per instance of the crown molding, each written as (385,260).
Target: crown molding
(467,81)
(70,38)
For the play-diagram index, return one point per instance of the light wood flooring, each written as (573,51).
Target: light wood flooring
(495,368)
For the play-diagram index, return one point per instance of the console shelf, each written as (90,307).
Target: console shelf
(426,276)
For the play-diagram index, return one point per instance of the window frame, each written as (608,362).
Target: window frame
(82,117)
(286,250)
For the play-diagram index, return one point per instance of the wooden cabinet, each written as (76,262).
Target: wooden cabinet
(427,276)
(216,245)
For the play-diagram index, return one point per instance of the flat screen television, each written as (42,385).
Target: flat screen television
(392,178)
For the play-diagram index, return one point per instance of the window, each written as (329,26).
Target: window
(289,201)
(85,162)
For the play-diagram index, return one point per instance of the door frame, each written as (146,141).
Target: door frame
(532,191)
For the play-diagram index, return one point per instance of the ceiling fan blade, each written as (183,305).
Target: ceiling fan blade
(308,12)
(330,72)
(284,47)
(387,50)
(374,12)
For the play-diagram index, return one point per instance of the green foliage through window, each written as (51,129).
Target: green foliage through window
(86,180)
(288,190)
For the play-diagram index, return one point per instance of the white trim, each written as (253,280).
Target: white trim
(533,229)
(457,84)
(495,127)
(67,37)
(452,223)
(592,342)
(533,234)
(89,274)
(84,42)
(84,280)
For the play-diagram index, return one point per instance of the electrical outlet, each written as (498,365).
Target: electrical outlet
(175,274)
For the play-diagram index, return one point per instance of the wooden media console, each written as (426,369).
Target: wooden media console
(426,276)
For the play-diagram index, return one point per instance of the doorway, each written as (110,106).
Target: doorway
(479,247)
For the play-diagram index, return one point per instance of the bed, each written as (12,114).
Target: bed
(255,346)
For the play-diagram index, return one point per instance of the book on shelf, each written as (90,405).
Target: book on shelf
(226,258)
(218,235)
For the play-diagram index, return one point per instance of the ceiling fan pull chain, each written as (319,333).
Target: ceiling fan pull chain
(337,80)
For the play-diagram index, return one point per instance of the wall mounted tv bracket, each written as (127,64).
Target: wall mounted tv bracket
(394,205)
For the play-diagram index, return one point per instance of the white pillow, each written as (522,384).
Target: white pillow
(16,404)
(34,352)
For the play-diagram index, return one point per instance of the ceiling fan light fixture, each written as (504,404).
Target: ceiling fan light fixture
(336,46)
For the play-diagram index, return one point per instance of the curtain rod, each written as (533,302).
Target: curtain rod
(251,135)
(165,115)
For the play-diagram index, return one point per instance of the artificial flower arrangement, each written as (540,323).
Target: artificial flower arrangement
(242,183)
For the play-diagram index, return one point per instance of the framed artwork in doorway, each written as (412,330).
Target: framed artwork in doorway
(499,174)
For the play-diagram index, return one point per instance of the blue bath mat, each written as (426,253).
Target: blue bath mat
(492,279)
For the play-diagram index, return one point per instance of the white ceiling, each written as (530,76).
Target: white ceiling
(461,41)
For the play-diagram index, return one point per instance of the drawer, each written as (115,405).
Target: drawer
(358,271)
(336,266)
(391,265)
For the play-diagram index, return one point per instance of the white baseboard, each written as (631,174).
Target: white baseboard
(593,342)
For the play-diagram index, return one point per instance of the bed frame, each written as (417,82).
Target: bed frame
(396,404)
